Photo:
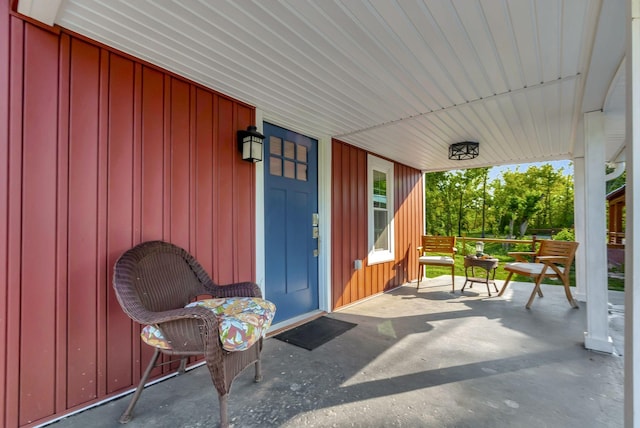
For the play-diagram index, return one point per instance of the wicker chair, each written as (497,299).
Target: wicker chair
(153,282)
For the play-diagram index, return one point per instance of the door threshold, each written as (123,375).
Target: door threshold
(294,322)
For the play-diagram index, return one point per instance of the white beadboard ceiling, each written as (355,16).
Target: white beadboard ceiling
(400,78)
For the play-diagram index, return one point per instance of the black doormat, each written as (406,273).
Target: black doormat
(315,333)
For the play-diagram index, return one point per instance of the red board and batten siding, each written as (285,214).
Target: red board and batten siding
(98,152)
(5,36)
(349,227)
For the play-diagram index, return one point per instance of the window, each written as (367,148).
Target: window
(380,193)
(290,162)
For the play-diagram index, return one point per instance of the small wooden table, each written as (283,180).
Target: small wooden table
(489,265)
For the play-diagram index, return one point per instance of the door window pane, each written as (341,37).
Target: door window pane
(289,169)
(289,150)
(302,153)
(275,166)
(275,146)
(301,172)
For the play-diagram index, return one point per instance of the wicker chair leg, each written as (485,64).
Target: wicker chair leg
(224,421)
(126,416)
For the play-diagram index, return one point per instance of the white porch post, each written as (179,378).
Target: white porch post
(324,209)
(597,335)
(632,256)
(579,191)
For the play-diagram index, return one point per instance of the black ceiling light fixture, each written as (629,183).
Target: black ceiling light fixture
(464,150)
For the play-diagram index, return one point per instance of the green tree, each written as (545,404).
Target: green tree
(438,203)
(513,207)
(540,197)
(467,184)
(484,177)
(530,206)
(544,178)
(562,203)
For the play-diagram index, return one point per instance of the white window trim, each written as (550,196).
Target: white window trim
(378,164)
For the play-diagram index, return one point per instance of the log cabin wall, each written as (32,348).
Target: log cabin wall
(349,227)
(99,152)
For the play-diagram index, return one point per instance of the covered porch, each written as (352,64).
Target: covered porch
(422,357)
(120,122)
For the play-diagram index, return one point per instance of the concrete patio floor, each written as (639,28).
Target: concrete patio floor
(417,358)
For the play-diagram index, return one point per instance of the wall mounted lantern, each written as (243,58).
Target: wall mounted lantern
(464,150)
(250,144)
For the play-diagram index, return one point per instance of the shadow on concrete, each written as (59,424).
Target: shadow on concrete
(418,358)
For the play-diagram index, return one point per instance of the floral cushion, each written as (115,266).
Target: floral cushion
(242,322)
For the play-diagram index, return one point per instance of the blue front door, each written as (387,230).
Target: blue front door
(291,221)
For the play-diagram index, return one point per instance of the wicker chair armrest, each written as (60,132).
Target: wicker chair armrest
(197,331)
(149,317)
(238,289)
